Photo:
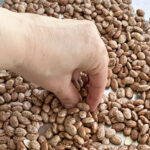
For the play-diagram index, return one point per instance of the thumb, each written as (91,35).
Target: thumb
(68,95)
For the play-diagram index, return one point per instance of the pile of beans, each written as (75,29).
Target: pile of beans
(26,107)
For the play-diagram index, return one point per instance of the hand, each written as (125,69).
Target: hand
(57,51)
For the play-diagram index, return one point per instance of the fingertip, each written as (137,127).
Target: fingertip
(92,103)
(69,97)
(94,96)
(69,105)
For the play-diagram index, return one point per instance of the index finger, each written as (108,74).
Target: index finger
(97,83)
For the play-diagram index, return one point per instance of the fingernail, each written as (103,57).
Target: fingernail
(69,105)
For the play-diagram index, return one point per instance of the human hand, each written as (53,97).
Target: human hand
(57,51)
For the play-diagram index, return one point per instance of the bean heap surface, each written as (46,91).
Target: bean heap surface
(25,107)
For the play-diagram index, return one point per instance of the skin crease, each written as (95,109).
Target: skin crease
(51,52)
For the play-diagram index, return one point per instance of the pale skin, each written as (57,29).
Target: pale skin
(51,52)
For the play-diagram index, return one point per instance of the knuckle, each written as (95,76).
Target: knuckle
(90,25)
(89,28)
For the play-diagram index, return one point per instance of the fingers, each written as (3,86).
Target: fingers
(98,78)
(97,83)
(76,75)
(68,95)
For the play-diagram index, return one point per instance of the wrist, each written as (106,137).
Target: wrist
(13,39)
